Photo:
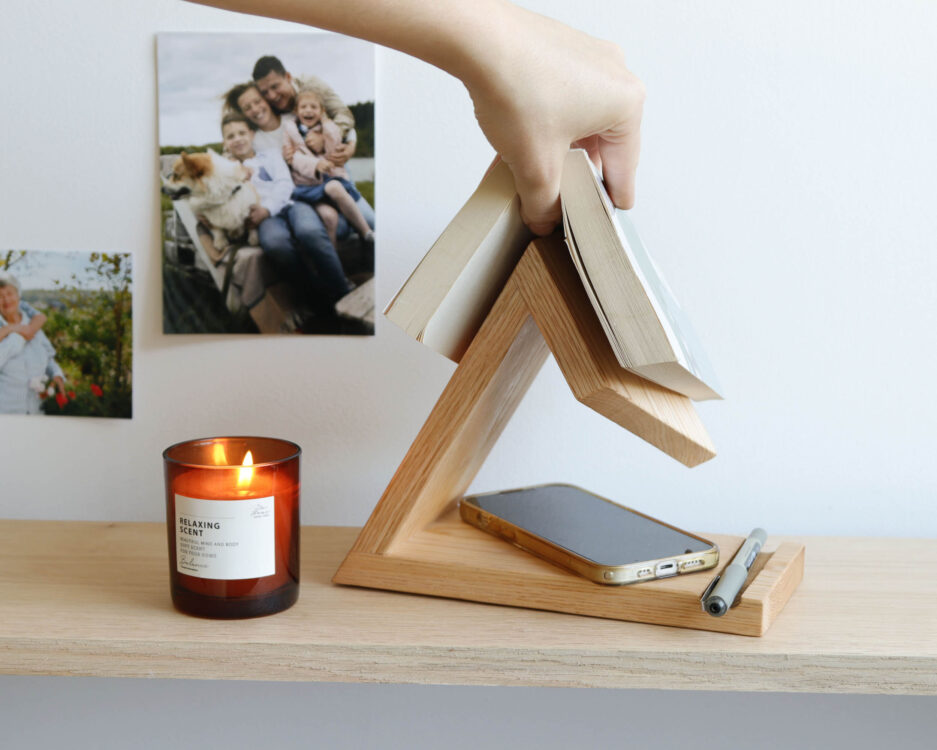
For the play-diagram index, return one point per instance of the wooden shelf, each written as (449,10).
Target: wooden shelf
(81,598)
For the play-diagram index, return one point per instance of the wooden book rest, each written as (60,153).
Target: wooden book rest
(415,541)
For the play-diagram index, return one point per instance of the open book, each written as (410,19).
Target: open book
(448,295)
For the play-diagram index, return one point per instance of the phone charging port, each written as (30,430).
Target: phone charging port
(668,568)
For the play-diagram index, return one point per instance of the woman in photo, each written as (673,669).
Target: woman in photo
(271,127)
(24,360)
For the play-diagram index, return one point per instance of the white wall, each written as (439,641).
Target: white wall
(786,188)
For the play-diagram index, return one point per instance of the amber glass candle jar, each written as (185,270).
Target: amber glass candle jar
(232,513)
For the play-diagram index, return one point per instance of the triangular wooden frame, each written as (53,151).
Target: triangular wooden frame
(414,540)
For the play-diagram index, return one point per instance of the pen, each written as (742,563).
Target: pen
(720,594)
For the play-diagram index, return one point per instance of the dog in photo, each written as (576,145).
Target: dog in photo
(219,190)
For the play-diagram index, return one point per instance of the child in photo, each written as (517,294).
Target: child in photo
(315,176)
(268,173)
(311,117)
(285,232)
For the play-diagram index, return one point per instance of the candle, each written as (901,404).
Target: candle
(232,512)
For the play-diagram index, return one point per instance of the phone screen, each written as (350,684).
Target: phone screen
(588,525)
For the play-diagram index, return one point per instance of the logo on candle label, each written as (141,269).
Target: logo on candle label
(225,539)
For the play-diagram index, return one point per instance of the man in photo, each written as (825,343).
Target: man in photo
(279,88)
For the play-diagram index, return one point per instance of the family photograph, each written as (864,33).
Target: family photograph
(266,146)
(66,333)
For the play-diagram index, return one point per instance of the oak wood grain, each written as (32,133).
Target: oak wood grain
(453,559)
(541,308)
(480,398)
(79,598)
(555,297)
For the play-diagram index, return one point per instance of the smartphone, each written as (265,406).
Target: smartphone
(589,535)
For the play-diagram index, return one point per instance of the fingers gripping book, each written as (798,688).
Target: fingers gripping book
(448,295)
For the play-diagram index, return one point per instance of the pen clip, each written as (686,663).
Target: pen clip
(708,591)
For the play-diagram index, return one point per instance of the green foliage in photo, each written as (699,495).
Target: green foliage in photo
(91,330)
(364,128)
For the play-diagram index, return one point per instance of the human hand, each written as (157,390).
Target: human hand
(315,141)
(258,214)
(325,166)
(538,86)
(288,150)
(341,153)
(548,87)
(23,330)
(59,384)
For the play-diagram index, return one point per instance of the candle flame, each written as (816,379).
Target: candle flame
(246,472)
(218,455)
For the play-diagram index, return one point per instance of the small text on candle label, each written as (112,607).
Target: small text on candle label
(225,539)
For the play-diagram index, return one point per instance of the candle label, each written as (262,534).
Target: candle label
(225,539)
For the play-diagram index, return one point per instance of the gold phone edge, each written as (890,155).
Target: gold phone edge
(609,575)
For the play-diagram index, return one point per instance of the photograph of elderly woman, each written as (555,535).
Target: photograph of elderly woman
(266,149)
(66,333)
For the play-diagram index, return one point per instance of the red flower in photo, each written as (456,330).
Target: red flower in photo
(70,394)
(96,390)
(61,400)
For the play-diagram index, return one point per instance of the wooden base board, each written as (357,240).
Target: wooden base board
(414,541)
(452,559)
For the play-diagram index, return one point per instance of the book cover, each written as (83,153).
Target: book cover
(645,324)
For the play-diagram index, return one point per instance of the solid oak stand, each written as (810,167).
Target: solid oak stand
(415,541)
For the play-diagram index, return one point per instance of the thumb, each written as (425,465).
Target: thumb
(537,177)
(619,149)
